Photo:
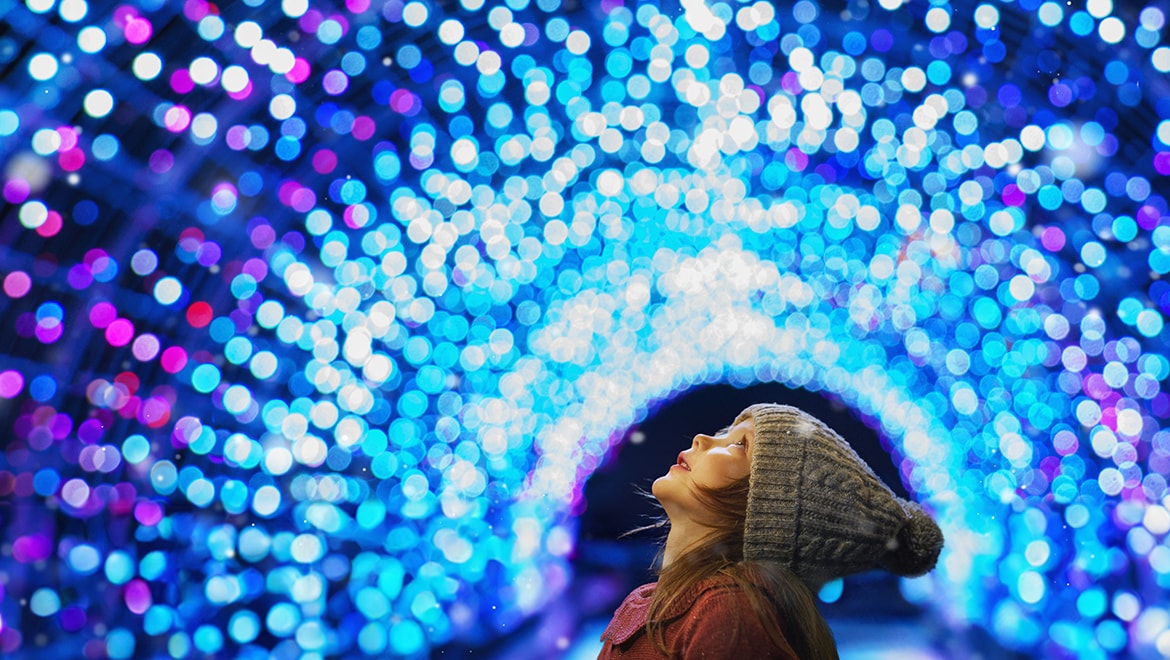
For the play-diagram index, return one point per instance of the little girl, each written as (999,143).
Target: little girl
(761,515)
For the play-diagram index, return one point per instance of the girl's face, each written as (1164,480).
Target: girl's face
(712,463)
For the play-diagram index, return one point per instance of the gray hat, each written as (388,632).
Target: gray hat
(817,508)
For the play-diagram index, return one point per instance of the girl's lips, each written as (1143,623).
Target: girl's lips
(682,462)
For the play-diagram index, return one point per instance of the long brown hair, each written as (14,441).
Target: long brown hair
(783,604)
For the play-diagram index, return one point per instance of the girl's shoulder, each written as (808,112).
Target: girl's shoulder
(720,591)
(712,619)
(721,621)
(632,613)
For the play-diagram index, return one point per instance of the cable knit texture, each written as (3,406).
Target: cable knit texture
(816,507)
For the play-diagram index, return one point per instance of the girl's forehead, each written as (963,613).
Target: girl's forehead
(740,424)
(745,415)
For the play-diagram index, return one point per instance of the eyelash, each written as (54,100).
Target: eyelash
(742,442)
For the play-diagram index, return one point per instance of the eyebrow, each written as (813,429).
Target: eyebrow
(748,437)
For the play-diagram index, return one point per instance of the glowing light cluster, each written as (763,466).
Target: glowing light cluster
(316,319)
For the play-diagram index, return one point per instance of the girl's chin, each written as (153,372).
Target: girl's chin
(661,485)
(654,487)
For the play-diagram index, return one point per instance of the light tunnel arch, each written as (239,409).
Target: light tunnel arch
(980,510)
(792,355)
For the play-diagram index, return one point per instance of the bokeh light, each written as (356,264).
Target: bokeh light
(316,317)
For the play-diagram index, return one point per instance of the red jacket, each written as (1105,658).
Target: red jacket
(713,621)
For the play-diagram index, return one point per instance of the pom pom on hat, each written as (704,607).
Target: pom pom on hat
(914,551)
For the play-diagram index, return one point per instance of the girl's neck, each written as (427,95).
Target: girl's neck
(684,535)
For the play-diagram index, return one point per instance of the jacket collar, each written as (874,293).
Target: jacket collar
(632,614)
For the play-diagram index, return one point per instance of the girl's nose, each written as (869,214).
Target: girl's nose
(701,440)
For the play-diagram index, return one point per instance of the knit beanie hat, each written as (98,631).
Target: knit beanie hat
(816,507)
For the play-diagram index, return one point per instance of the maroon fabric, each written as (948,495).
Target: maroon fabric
(713,621)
